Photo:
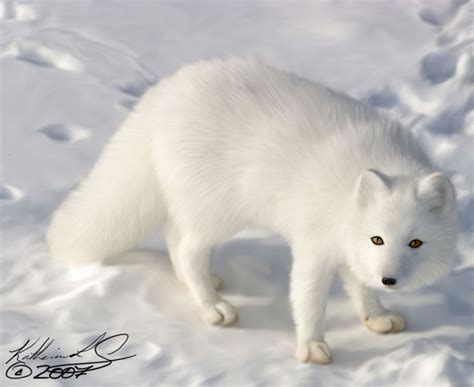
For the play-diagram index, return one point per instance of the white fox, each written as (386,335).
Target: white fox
(228,144)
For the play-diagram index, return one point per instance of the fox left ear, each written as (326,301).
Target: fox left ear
(370,184)
(438,191)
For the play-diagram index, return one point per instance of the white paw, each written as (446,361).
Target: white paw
(315,352)
(385,323)
(216,281)
(221,313)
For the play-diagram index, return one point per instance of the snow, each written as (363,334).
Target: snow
(70,73)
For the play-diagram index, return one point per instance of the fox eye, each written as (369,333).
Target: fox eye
(376,240)
(415,243)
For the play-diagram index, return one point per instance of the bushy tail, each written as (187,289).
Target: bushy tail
(118,204)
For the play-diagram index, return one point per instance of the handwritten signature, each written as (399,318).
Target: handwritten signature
(101,349)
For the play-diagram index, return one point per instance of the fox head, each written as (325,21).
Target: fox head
(403,230)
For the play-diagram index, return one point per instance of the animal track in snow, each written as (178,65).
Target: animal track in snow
(8,193)
(441,12)
(64,133)
(40,55)
(438,67)
(135,88)
(448,122)
(9,10)
(106,61)
(128,102)
(385,98)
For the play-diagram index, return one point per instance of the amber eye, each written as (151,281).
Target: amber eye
(376,240)
(415,243)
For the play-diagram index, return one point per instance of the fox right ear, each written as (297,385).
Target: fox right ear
(437,190)
(370,184)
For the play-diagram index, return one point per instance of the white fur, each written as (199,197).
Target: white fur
(225,145)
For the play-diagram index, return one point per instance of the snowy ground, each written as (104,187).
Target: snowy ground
(71,71)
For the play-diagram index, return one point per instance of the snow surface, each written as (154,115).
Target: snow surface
(70,73)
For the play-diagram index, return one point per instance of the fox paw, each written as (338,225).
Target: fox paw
(385,323)
(315,352)
(220,313)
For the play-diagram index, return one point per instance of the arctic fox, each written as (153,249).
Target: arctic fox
(224,145)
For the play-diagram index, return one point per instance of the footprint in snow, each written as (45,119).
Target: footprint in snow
(438,67)
(441,66)
(385,98)
(441,12)
(64,133)
(128,102)
(9,193)
(453,119)
(134,88)
(40,55)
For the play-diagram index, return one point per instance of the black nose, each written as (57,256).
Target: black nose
(389,281)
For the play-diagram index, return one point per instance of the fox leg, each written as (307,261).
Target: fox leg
(173,239)
(194,260)
(311,277)
(368,306)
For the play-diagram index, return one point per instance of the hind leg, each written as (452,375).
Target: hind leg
(173,239)
(194,258)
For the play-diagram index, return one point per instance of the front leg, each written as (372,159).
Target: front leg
(311,278)
(371,312)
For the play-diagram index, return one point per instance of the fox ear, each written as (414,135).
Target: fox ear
(438,191)
(371,183)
